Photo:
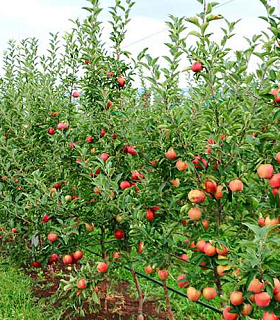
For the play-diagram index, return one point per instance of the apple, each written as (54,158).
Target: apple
(182,284)
(277,157)
(211,141)
(275,93)
(150,214)
(236,298)
(198,161)
(119,234)
(135,175)
(104,157)
(46,218)
(265,171)
(81,284)
(261,221)
(221,270)
(256,286)
(205,223)
(62,126)
(184,257)
(209,250)
(219,193)
(196,196)
(109,104)
(149,270)
(131,150)
(271,222)
(116,255)
(200,245)
(89,227)
(67,259)
(35,264)
(181,165)
(51,130)
(170,154)
(57,185)
(102,132)
(195,213)
(228,315)
(247,309)
(102,267)
(140,247)
(210,186)
(121,81)
(52,237)
(223,252)
(175,182)
(276,288)
(274,181)
(236,185)
(262,299)
(163,274)
(267,315)
(89,139)
(75,94)
(125,185)
(196,67)
(53,258)
(277,296)
(68,198)
(209,293)
(77,255)
(193,294)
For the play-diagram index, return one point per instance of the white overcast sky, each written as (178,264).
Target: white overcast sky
(36,18)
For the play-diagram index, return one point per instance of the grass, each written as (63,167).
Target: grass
(16,300)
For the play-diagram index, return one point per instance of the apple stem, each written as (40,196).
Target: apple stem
(140,292)
(168,306)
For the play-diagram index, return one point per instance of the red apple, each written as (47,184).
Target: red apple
(109,104)
(89,139)
(81,284)
(196,196)
(67,259)
(277,157)
(229,316)
(119,234)
(209,293)
(51,130)
(53,258)
(196,67)
(236,185)
(267,315)
(170,154)
(150,214)
(125,185)
(265,171)
(62,126)
(256,286)
(195,213)
(121,81)
(102,267)
(223,252)
(52,237)
(163,274)
(200,245)
(275,93)
(104,157)
(219,193)
(261,221)
(193,294)
(209,250)
(262,299)
(247,309)
(175,182)
(131,150)
(149,270)
(236,298)
(77,255)
(102,132)
(75,94)
(210,186)
(181,165)
(182,284)
(274,181)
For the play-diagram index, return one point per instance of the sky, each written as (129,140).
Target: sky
(36,18)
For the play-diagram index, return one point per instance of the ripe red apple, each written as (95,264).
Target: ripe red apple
(170,154)
(276,288)
(150,214)
(181,165)
(51,130)
(102,132)
(135,175)
(200,245)
(163,274)
(256,286)
(89,139)
(175,182)
(57,185)
(119,234)
(196,67)
(247,309)
(52,237)
(81,284)
(193,294)
(265,171)
(236,185)
(77,255)
(53,258)
(67,259)
(275,93)
(277,296)
(131,150)
(104,157)
(140,247)
(270,222)
(267,315)
(125,185)
(277,157)
(274,181)
(229,316)
(35,264)
(182,284)
(221,270)
(62,126)
(223,252)
(45,218)
(261,221)
(209,293)
(14,230)
(196,196)
(210,186)
(121,81)
(209,250)
(102,267)
(205,223)
(262,299)
(149,270)
(116,255)
(199,163)
(184,257)
(236,298)
(75,94)
(195,213)
(109,104)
